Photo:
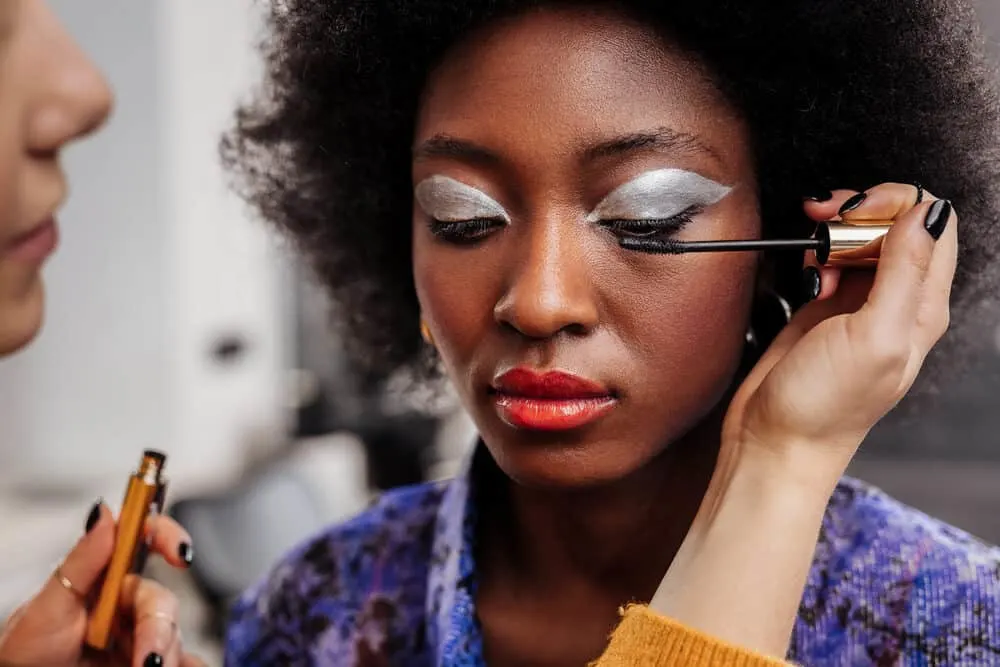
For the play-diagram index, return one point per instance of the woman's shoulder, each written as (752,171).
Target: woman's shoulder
(863,517)
(895,583)
(346,592)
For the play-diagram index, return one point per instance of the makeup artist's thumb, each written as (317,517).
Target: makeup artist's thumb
(81,569)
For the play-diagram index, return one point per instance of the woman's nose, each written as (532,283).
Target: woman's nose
(549,289)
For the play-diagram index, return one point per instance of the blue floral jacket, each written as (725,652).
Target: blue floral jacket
(397,586)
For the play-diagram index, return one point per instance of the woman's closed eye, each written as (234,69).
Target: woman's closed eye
(650,227)
(457,212)
(657,204)
(465,232)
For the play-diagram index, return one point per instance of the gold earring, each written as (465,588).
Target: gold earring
(425,333)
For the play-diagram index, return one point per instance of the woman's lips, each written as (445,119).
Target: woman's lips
(35,246)
(550,401)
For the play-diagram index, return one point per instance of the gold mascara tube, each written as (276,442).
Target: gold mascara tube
(144,496)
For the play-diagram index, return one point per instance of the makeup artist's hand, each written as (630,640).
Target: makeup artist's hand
(843,362)
(49,630)
(847,358)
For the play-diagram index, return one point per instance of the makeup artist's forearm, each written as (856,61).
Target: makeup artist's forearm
(740,573)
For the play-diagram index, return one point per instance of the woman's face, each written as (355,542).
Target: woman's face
(580,361)
(50,94)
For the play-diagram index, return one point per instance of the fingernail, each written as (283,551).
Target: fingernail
(811,284)
(819,195)
(153,660)
(94,516)
(854,202)
(186,552)
(937,218)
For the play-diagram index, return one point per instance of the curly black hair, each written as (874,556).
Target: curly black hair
(837,93)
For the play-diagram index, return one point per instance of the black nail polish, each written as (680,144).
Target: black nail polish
(819,195)
(186,552)
(94,516)
(937,218)
(153,660)
(811,284)
(854,202)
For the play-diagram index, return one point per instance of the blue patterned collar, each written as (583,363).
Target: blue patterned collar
(453,631)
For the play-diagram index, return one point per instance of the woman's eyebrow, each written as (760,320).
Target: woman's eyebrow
(662,139)
(444,145)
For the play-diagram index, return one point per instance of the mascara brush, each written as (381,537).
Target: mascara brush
(841,244)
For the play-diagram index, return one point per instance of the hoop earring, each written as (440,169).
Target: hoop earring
(770,314)
(425,333)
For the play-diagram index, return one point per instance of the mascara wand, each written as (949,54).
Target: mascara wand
(854,244)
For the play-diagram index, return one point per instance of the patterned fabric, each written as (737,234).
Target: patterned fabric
(397,586)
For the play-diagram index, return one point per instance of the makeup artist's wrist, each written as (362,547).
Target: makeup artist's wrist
(807,466)
(740,573)
(754,489)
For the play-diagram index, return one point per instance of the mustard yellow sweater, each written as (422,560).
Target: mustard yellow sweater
(647,639)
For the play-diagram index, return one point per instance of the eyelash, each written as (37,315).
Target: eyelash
(650,228)
(470,232)
(465,232)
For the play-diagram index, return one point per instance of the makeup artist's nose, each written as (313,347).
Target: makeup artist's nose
(71,97)
(549,289)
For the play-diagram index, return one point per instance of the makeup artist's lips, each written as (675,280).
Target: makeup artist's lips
(34,246)
(550,401)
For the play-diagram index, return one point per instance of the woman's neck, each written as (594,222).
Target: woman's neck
(614,541)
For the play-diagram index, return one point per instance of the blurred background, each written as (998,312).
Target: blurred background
(178,322)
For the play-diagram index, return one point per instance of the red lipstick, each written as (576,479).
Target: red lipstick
(550,401)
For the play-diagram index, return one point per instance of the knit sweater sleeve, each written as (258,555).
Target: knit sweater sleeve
(647,639)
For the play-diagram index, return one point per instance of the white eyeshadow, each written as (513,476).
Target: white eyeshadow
(443,198)
(657,195)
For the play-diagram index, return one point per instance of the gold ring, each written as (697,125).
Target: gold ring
(159,615)
(67,584)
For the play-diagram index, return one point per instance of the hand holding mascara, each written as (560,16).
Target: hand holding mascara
(850,356)
(143,497)
(52,628)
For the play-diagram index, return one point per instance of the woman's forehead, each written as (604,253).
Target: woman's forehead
(572,81)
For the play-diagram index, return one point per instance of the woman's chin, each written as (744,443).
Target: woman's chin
(568,464)
(21,318)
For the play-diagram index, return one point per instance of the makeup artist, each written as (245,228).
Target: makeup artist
(51,95)
(470,180)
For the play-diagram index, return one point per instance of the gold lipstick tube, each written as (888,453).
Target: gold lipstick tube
(144,495)
(854,244)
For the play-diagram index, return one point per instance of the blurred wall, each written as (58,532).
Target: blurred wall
(158,264)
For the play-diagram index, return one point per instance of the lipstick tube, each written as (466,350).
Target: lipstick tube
(143,496)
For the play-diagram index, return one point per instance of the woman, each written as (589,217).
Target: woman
(50,96)
(621,404)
